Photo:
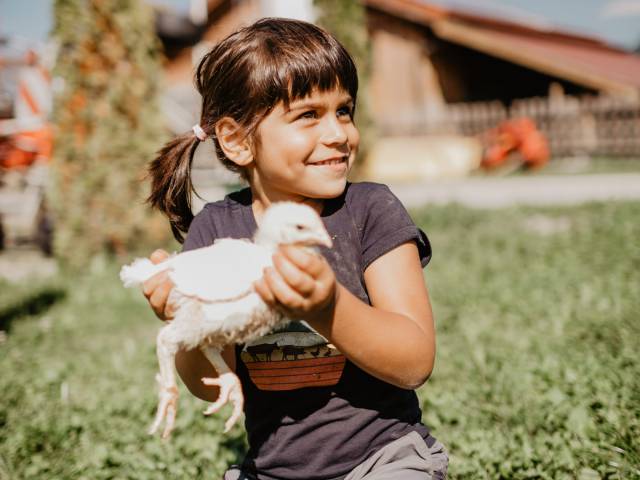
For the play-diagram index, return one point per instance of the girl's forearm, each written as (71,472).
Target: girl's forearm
(387,345)
(192,366)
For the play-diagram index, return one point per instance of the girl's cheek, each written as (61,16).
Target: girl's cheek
(354,137)
(300,141)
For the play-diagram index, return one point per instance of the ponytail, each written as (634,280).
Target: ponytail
(171,186)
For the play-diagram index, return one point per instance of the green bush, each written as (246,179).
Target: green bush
(107,127)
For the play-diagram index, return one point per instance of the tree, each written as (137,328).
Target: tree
(107,126)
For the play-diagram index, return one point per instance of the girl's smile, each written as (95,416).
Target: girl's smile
(338,164)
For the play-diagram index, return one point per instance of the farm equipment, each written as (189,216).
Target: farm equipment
(26,141)
(516,141)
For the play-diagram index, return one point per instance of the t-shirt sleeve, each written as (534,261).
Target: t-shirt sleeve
(387,225)
(201,231)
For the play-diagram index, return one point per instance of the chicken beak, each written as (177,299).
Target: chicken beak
(326,240)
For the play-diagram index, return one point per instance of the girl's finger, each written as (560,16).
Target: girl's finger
(150,286)
(169,311)
(283,293)
(308,262)
(296,278)
(158,299)
(263,290)
(158,256)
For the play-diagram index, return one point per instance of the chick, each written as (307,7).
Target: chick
(216,305)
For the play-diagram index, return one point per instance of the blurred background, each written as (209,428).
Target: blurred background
(510,128)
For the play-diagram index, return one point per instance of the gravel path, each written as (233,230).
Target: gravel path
(491,192)
(479,192)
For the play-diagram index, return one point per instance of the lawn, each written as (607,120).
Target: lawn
(537,372)
(576,166)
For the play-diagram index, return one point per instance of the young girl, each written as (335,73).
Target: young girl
(332,395)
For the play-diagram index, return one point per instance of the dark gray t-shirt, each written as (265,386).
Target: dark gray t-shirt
(310,412)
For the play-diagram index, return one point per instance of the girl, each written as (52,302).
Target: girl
(332,396)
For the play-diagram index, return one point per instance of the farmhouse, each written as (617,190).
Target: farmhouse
(448,71)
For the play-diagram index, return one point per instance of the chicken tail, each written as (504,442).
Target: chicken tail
(139,271)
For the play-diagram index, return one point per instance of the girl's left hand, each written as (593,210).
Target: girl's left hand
(301,284)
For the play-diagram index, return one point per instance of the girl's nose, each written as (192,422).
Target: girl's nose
(334,132)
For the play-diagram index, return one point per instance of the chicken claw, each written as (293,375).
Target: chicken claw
(230,389)
(167,407)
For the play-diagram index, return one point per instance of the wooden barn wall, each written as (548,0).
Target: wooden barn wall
(403,79)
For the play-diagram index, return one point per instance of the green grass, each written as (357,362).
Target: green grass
(537,372)
(571,166)
(575,166)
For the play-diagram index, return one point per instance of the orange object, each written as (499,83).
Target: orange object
(27,137)
(24,148)
(516,135)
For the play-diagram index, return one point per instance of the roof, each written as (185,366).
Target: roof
(580,59)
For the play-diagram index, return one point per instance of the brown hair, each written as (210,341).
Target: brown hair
(244,77)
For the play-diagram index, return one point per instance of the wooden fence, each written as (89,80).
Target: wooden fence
(601,125)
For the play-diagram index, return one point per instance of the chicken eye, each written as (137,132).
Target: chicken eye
(299,227)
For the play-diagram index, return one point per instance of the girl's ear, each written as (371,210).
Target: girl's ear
(234,141)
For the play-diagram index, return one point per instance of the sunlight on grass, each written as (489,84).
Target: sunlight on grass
(537,372)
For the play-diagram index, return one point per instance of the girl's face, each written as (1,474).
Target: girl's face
(305,151)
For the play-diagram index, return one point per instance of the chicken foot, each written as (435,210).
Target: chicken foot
(229,384)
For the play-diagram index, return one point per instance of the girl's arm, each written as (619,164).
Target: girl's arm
(394,339)
(191,365)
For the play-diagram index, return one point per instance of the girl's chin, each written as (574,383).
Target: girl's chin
(326,190)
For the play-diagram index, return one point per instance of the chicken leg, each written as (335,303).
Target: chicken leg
(229,384)
(166,349)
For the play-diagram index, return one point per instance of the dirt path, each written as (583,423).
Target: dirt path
(483,192)
(20,264)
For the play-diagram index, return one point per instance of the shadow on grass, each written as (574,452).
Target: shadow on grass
(236,444)
(34,304)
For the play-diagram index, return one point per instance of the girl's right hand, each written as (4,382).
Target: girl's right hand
(158,288)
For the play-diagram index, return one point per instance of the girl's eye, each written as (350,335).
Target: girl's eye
(344,111)
(310,114)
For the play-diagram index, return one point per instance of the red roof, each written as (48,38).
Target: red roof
(580,59)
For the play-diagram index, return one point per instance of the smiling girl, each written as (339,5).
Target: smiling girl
(331,396)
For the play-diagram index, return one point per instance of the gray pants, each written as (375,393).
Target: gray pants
(407,458)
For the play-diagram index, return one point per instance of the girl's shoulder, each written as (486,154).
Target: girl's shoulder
(355,191)
(234,200)
(382,221)
(225,218)
(367,199)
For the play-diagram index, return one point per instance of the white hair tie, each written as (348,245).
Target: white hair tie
(199,132)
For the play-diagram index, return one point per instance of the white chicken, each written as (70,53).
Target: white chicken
(215,302)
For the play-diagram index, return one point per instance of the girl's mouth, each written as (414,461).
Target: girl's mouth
(332,161)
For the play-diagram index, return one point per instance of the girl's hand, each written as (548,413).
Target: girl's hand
(301,284)
(158,288)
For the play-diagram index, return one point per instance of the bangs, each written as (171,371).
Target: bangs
(292,66)
(322,72)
